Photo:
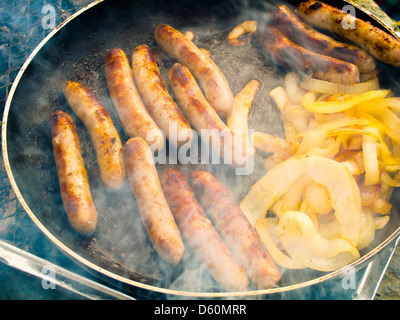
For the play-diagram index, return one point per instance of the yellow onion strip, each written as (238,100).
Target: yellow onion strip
(367,233)
(329,148)
(304,244)
(328,226)
(312,140)
(238,120)
(269,143)
(242,33)
(387,156)
(393,182)
(370,157)
(391,123)
(292,86)
(381,206)
(316,85)
(393,103)
(291,200)
(346,121)
(263,228)
(381,222)
(342,105)
(342,188)
(318,198)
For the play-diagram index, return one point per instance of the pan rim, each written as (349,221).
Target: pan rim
(78,258)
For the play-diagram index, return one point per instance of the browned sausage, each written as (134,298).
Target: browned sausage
(156,98)
(203,117)
(201,234)
(211,79)
(303,35)
(153,207)
(230,221)
(294,56)
(133,114)
(71,173)
(377,42)
(105,138)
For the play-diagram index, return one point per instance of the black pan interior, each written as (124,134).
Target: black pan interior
(77,53)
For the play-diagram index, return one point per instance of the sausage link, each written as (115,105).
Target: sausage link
(71,174)
(156,98)
(292,55)
(203,117)
(230,221)
(303,35)
(130,108)
(105,138)
(201,234)
(153,207)
(211,79)
(377,42)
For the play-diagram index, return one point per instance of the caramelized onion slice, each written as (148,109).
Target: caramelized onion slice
(344,104)
(302,241)
(321,86)
(342,189)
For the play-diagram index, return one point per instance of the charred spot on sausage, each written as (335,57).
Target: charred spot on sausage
(315,6)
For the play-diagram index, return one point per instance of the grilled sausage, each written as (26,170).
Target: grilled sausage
(211,79)
(201,234)
(303,35)
(153,207)
(156,98)
(372,39)
(231,223)
(134,117)
(105,138)
(203,117)
(71,174)
(292,55)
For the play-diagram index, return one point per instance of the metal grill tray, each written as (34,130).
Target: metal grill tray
(14,217)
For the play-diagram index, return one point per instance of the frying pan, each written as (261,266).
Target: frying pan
(119,251)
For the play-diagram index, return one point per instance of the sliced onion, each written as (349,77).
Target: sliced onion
(291,200)
(269,143)
(280,97)
(346,102)
(370,194)
(367,233)
(342,188)
(328,226)
(292,86)
(387,157)
(312,84)
(381,221)
(318,198)
(389,120)
(381,206)
(311,140)
(265,229)
(393,103)
(353,167)
(304,244)
(371,164)
(387,179)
